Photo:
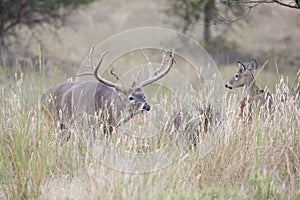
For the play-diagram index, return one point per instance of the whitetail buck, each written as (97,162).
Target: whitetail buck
(111,102)
(244,77)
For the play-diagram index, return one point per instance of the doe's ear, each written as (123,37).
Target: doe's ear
(253,65)
(241,65)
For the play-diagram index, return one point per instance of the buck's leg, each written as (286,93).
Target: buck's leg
(62,132)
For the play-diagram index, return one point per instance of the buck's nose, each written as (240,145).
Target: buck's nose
(227,86)
(146,107)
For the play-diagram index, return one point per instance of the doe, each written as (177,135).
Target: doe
(244,77)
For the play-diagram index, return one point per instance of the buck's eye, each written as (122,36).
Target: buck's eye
(131,98)
(236,76)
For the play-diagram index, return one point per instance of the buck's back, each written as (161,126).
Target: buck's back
(68,100)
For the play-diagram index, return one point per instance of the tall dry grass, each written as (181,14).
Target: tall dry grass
(250,160)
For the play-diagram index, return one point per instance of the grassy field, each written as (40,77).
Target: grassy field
(256,160)
(250,160)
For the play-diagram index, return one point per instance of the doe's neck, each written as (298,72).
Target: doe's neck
(253,90)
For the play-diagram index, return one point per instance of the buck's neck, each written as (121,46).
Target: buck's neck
(253,89)
(123,117)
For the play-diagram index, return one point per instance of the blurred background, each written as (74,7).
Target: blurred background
(230,31)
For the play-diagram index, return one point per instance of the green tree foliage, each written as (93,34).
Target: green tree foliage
(29,14)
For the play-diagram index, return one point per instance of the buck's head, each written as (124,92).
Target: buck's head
(135,100)
(244,76)
(132,101)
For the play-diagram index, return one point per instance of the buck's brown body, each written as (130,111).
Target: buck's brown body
(108,101)
(68,101)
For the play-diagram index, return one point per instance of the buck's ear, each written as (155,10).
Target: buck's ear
(253,65)
(241,65)
(133,84)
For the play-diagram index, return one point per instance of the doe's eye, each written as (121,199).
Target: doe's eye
(236,77)
(131,98)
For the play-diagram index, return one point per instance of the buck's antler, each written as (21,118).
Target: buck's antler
(99,78)
(112,72)
(158,74)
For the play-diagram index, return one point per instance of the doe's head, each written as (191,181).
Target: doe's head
(244,76)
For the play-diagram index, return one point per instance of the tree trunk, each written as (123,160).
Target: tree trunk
(208,15)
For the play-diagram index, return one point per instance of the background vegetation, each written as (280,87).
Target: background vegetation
(257,160)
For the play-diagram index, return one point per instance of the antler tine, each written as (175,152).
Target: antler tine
(104,81)
(112,72)
(99,78)
(91,56)
(149,63)
(89,59)
(158,76)
(137,76)
(163,60)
